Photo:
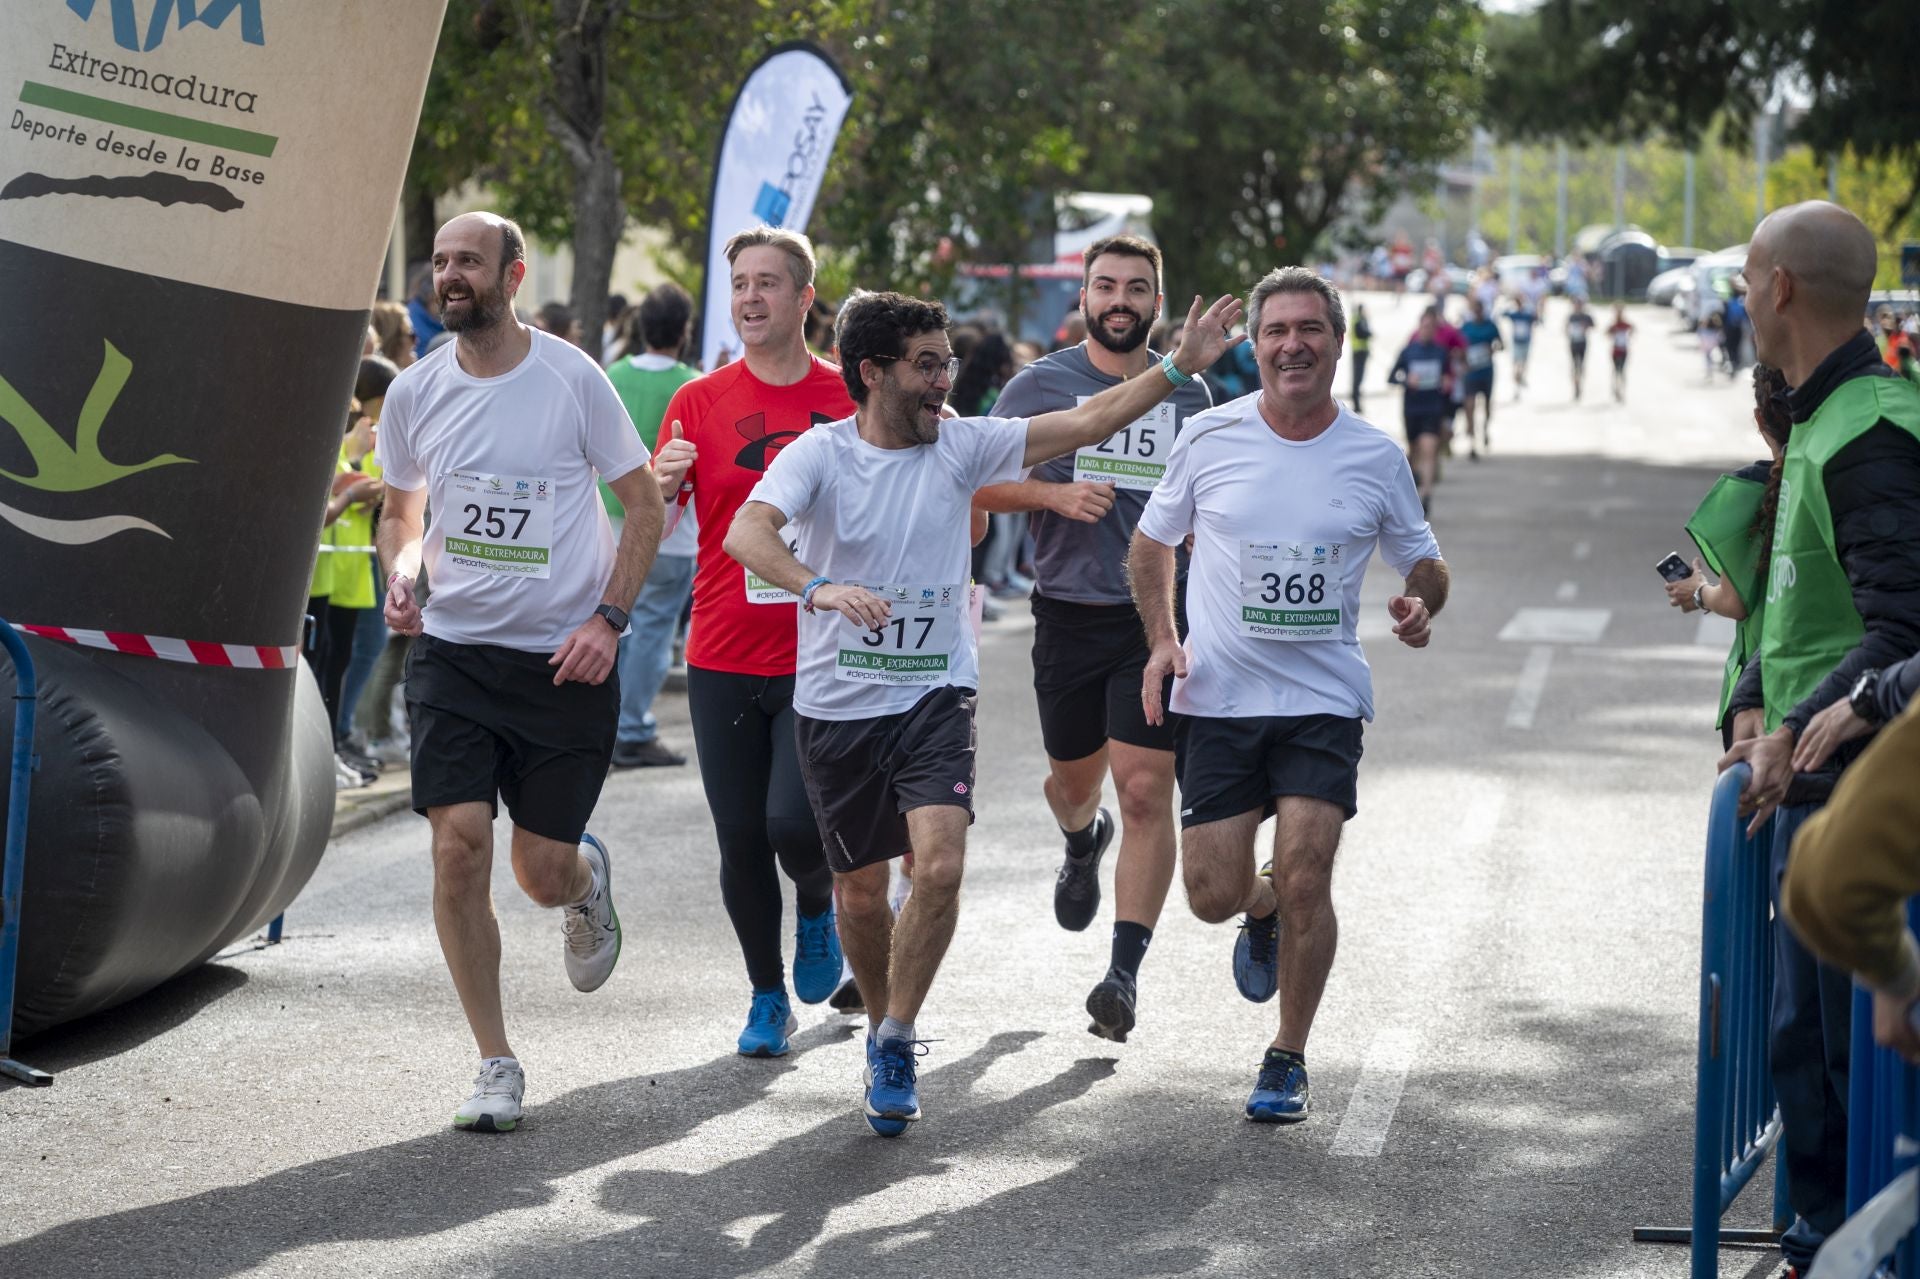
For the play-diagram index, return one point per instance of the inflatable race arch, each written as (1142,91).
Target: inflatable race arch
(195,200)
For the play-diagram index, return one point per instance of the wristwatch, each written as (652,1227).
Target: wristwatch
(1865,697)
(1699,604)
(615,616)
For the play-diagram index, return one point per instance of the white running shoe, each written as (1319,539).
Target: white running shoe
(345,778)
(495,1104)
(593,931)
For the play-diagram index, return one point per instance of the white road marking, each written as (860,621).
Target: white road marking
(1715,631)
(1568,592)
(1533,682)
(1557,626)
(1582,549)
(1383,1076)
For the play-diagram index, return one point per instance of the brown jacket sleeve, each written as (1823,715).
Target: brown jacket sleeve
(1855,863)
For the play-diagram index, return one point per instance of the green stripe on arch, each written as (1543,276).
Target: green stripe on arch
(165,123)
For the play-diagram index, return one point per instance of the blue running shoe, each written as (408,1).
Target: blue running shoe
(769,1021)
(816,957)
(1256,955)
(1280,1094)
(893,1099)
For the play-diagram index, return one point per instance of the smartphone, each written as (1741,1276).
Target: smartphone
(1673,568)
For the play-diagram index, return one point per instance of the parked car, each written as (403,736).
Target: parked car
(1662,288)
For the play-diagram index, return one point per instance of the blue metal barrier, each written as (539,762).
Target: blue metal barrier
(26,698)
(1883,1132)
(1736,1124)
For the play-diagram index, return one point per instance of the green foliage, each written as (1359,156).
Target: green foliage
(1257,124)
(1624,69)
(1254,124)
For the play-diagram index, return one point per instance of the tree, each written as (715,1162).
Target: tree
(1627,69)
(1256,125)
(585,115)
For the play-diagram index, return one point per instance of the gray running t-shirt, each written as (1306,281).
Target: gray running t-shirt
(1074,561)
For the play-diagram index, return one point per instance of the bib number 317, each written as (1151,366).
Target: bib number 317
(1292,591)
(915,645)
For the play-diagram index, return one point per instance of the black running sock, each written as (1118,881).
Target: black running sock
(1130,945)
(1082,843)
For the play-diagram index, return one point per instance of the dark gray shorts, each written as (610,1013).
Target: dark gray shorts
(864,776)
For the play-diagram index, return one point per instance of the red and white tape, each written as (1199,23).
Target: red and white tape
(195,652)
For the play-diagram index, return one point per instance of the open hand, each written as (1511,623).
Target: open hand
(1826,733)
(1208,334)
(1771,759)
(855,603)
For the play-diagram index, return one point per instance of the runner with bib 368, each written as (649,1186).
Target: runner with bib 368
(1286,496)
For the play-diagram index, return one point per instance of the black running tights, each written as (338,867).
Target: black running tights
(743,733)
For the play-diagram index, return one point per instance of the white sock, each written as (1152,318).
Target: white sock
(891,1029)
(499,1061)
(593,888)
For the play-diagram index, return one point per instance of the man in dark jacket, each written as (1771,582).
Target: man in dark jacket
(1843,597)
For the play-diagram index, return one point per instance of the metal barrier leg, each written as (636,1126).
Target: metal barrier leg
(274,929)
(13,876)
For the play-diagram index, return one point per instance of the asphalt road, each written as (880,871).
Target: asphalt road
(1502,1067)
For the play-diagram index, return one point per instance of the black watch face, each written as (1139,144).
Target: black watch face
(614,616)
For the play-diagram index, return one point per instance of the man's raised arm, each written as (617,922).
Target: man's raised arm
(1207,336)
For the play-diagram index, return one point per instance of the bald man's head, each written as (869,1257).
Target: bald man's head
(1827,250)
(478,263)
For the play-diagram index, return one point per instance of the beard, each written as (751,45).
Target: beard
(1133,339)
(484,311)
(903,413)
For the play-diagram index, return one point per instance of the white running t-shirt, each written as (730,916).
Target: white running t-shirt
(518,548)
(898,522)
(1283,532)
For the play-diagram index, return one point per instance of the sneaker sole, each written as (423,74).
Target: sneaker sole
(1111,1019)
(886,1127)
(847,998)
(485,1123)
(619,937)
(1276,1116)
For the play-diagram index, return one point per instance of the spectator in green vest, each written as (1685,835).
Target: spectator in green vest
(1842,599)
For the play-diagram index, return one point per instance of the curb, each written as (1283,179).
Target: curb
(367,813)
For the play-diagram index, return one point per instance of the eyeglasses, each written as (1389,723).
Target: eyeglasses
(927,366)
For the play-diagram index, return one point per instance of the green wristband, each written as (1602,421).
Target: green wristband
(1174,375)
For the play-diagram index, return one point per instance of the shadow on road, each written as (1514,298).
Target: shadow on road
(120,1029)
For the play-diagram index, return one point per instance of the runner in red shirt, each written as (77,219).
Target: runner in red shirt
(740,647)
(1622,334)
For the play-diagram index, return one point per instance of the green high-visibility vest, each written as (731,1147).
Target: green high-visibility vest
(1722,527)
(1809,623)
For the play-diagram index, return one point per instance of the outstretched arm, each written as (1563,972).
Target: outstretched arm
(1207,336)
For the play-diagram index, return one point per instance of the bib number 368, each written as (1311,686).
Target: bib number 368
(1292,590)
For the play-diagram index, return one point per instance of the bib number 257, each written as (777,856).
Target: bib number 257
(491,521)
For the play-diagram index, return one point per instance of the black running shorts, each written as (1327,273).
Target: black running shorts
(1088,660)
(865,775)
(489,724)
(1231,766)
(1419,424)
